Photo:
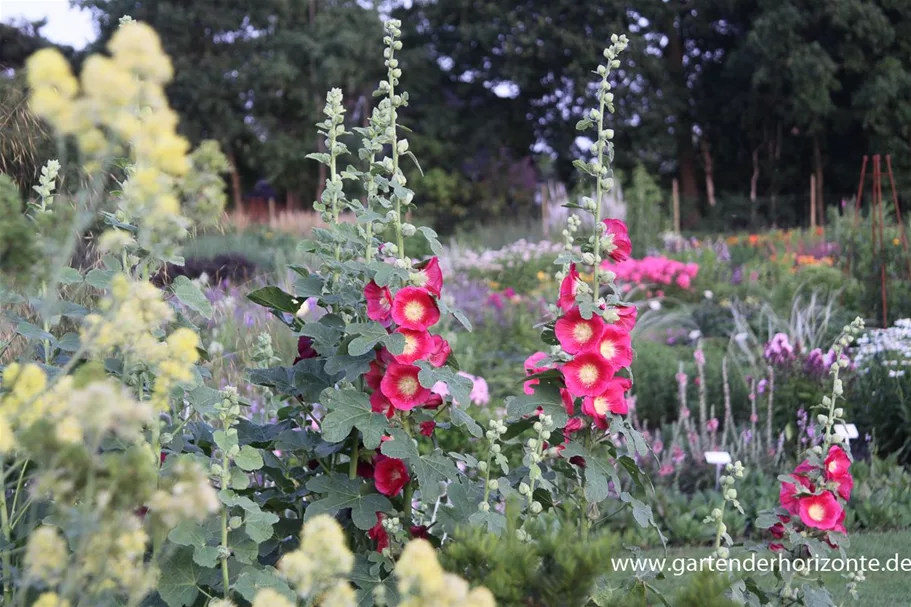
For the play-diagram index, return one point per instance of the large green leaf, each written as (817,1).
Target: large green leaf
(178,580)
(192,296)
(546,396)
(340,493)
(349,409)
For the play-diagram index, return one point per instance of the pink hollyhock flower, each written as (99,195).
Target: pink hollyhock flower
(776,547)
(568,289)
(414,308)
(531,368)
(304,349)
(837,464)
(430,276)
(820,511)
(434,401)
(666,470)
(616,240)
(626,317)
(401,386)
(787,494)
(576,333)
(381,404)
(378,534)
(379,302)
(587,374)
(428,427)
(614,345)
(574,425)
(683,281)
(418,346)
(845,486)
(840,524)
(389,475)
(712,424)
(441,351)
(611,400)
(480,392)
(699,357)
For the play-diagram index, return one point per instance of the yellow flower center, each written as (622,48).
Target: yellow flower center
(588,374)
(414,311)
(833,467)
(608,349)
(582,332)
(816,512)
(408,386)
(601,405)
(411,344)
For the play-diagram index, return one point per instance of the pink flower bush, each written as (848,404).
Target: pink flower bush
(654,271)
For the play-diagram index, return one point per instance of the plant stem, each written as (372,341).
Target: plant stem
(7,536)
(225,479)
(355,446)
(406,512)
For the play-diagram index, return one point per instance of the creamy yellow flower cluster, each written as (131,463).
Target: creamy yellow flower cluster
(122,101)
(323,560)
(422,582)
(135,311)
(186,495)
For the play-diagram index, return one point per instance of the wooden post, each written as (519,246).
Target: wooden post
(812,201)
(676,199)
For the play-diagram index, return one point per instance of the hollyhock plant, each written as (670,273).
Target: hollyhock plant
(429,276)
(414,308)
(401,386)
(390,475)
(576,333)
(379,302)
(419,345)
(616,242)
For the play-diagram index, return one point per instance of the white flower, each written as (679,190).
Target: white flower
(695,334)
(708,294)
(654,304)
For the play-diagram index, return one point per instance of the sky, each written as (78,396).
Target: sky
(66,25)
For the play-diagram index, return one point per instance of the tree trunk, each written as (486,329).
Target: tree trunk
(317,103)
(709,173)
(817,161)
(754,183)
(236,192)
(774,157)
(683,124)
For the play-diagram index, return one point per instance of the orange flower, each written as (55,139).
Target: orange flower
(820,231)
(754,240)
(733,240)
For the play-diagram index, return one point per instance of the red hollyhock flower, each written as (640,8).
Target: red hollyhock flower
(776,547)
(840,524)
(304,349)
(787,495)
(401,386)
(365,470)
(777,531)
(568,289)
(612,400)
(434,401)
(532,367)
(626,317)
(614,345)
(418,346)
(845,486)
(430,276)
(569,403)
(587,374)
(441,351)
(576,333)
(378,534)
(619,246)
(414,308)
(838,466)
(374,376)
(381,404)
(419,531)
(389,475)
(820,511)
(379,302)
(428,427)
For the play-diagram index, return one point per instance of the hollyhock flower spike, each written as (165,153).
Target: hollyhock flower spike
(401,386)
(568,289)
(418,346)
(576,333)
(588,374)
(614,345)
(379,302)
(414,308)
(430,276)
(820,511)
(390,475)
(616,240)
